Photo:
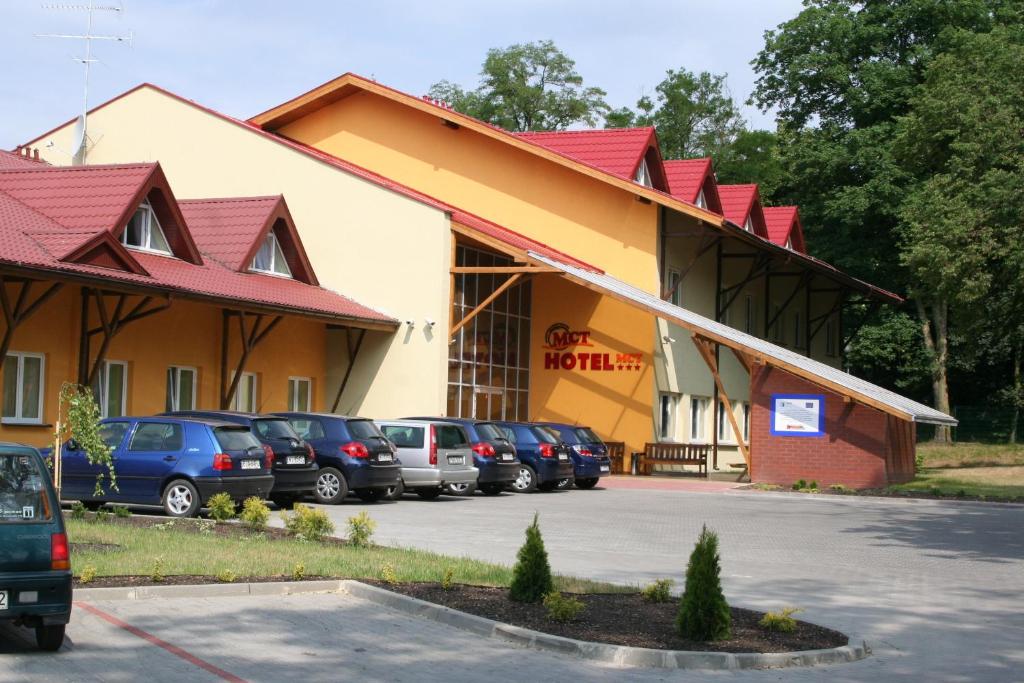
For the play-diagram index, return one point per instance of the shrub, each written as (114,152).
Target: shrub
(813,485)
(918,463)
(78,510)
(360,529)
(88,574)
(782,621)
(221,506)
(800,484)
(298,572)
(447,578)
(659,591)
(226,576)
(562,608)
(156,574)
(387,574)
(102,515)
(531,578)
(122,512)
(703,612)
(309,523)
(255,513)
(838,488)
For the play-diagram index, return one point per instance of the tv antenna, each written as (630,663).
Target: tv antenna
(79,145)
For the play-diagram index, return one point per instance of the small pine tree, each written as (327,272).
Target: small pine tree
(531,578)
(703,612)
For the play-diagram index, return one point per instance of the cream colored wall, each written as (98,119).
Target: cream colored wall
(376,246)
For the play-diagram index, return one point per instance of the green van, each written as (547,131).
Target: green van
(35,566)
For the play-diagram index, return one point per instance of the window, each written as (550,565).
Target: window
(746,422)
(672,285)
(643,174)
(113,432)
(23,495)
(273,428)
(698,417)
(702,202)
(245,394)
(450,436)
(270,259)
(308,429)
(299,394)
(23,375)
(157,436)
(110,388)
(181,388)
(144,232)
(750,318)
(831,336)
(667,417)
(798,330)
(404,437)
(749,225)
(235,438)
(724,427)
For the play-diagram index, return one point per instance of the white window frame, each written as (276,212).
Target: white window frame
(147,232)
(668,407)
(749,225)
(17,418)
(236,399)
(176,392)
(643,174)
(746,421)
(103,377)
(699,418)
(672,278)
(702,202)
(294,381)
(275,250)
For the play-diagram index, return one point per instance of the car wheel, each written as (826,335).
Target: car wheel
(92,505)
(526,481)
(284,502)
(587,483)
(428,494)
(547,486)
(462,490)
(394,492)
(331,487)
(370,495)
(492,489)
(181,499)
(50,638)
(564,484)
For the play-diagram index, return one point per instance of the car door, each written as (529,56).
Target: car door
(78,476)
(453,450)
(151,454)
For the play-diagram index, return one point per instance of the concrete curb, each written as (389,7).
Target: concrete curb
(893,500)
(619,655)
(209,590)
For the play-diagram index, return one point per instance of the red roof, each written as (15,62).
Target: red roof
(616,150)
(687,177)
(9,160)
(740,202)
(50,222)
(783,224)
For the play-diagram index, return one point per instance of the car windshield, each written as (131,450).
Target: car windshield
(363,429)
(586,435)
(23,494)
(274,429)
(488,431)
(235,438)
(545,434)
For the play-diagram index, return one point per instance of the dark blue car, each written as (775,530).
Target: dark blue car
(173,462)
(352,453)
(589,454)
(544,461)
(493,454)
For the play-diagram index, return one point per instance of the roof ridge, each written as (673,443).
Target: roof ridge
(89,167)
(225,200)
(623,129)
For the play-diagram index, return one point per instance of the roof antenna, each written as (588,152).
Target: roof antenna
(79,144)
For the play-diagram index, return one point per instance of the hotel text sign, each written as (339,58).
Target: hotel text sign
(566,349)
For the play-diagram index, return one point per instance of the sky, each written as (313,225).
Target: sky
(242,57)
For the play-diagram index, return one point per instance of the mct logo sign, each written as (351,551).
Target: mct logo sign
(559,337)
(563,352)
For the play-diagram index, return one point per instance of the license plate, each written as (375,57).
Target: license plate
(456,460)
(384,457)
(296,460)
(250,464)
(3,600)
(605,468)
(506,456)
(563,456)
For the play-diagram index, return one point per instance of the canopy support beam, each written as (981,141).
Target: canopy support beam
(704,348)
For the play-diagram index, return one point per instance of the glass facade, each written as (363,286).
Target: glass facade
(489,362)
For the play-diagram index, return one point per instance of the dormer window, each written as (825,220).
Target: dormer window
(270,259)
(789,244)
(749,225)
(643,174)
(701,202)
(144,233)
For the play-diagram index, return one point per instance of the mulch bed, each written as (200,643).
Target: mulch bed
(623,619)
(194,526)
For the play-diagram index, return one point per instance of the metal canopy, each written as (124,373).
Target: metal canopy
(760,350)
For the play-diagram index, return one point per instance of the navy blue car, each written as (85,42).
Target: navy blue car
(544,461)
(493,454)
(173,462)
(589,454)
(352,454)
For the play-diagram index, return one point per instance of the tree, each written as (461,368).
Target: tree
(531,577)
(703,612)
(753,157)
(523,87)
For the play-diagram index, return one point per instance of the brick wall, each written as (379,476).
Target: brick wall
(853,451)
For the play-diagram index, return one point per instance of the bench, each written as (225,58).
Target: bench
(674,454)
(617,453)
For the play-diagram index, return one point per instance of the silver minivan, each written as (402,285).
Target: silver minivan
(433,454)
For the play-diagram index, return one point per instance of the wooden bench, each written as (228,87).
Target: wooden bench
(617,453)
(674,454)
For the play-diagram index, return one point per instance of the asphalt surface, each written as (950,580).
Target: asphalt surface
(937,590)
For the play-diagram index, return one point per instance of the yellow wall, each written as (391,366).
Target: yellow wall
(187,334)
(374,245)
(587,218)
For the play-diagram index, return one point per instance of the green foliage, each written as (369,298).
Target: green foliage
(83,425)
(77,510)
(102,515)
(226,576)
(360,529)
(562,608)
(156,572)
(703,612)
(221,506)
(87,575)
(447,578)
(659,591)
(529,86)
(838,488)
(298,572)
(308,523)
(122,512)
(531,577)
(799,485)
(781,621)
(255,513)
(387,574)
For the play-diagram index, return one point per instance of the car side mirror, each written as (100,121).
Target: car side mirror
(72,445)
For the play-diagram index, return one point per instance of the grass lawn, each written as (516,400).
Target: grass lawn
(184,552)
(989,470)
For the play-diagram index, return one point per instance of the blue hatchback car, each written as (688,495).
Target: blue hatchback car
(352,453)
(589,454)
(173,462)
(493,454)
(544,461)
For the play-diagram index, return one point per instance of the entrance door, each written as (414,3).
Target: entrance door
(488,403)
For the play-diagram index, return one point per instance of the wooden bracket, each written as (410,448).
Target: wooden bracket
(353,352)
(704,348)
(250,338)
(20,311)
(483,304)
(111,324)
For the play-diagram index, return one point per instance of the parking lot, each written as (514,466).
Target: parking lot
(935,589)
